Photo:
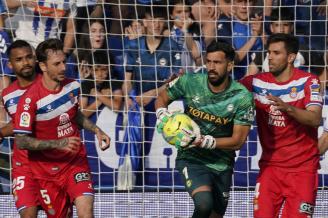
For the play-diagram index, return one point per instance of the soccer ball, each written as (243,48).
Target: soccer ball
(173,127)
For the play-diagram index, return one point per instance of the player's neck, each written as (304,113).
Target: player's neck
(50,84)
(24,82)
(221,87)
(285,75)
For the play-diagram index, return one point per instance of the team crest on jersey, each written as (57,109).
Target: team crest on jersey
(177,56)
(196,99)
(25,119)
(293,92)
(162,62)
(230,107)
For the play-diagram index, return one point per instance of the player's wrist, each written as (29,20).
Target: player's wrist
(160,112)
(208,142)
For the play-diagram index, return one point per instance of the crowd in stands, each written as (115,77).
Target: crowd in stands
(115,46)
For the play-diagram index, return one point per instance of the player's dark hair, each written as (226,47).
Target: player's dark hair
(44,47)
(282,14)
(223,46)
(18,44)
(290,41)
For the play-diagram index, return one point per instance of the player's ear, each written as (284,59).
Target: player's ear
(10,65)
(43,66)
(291,58)
(230,66)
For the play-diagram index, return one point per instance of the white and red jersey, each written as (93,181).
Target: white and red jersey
(10,97)
(285,142)
(49,115)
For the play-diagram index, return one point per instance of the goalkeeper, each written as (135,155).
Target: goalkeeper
(223,111)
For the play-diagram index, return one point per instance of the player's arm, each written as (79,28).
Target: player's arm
(87,124)
(69,36)
(27,142)
(310,116)
(15,4)
(7,130)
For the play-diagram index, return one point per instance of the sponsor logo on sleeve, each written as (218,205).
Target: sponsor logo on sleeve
(82,176)
(25,119)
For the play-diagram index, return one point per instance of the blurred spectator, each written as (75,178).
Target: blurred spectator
(282,21)
(244,31)
(92,39)
(310,19)
(41,20)
(180,31)
(100,90)
(151,59)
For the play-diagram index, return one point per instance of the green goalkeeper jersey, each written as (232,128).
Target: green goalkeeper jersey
(215,113)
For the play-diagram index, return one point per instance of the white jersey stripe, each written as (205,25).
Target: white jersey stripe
(53,97)
(14,94)
(285,98)
(265,85)
(56,112)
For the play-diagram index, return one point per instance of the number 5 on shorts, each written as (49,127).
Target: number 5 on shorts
(45,196)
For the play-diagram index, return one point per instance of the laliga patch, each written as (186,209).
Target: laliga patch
(82,176)
(306,208)
(25,119)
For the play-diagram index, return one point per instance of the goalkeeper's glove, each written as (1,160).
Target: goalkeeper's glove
(187,137)
(207,142)
(163,115)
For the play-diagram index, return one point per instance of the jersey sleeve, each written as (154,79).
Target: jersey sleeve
(247,82)
(175,89)
(312,92)
(245,111)
(25,114)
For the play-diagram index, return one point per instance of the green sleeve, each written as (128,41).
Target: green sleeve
(245,110)
(176,88)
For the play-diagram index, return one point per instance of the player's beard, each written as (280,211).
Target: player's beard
(26,74)
(278,70)
(218,81)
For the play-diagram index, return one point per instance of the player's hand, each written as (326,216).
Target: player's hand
(278,103)
(70,144)
(188,137)
(205,141)
(163,115)
(102,137)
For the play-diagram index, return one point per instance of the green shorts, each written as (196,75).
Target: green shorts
(195,175)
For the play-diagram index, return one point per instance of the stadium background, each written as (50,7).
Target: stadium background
(157,189)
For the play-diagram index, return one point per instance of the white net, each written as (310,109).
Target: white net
(137,176)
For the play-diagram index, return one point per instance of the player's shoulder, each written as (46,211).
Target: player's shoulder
(236,86)
(71,83)
(11,88)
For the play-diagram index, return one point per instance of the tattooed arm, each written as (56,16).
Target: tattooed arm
(87,124)
(24,141)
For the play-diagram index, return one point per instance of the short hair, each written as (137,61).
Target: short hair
(290,41)
(99,58)
(45,46)
(18,44)
(156,11)
(223,46)
(282,14)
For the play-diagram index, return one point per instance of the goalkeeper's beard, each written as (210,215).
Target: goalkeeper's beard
(219,80)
